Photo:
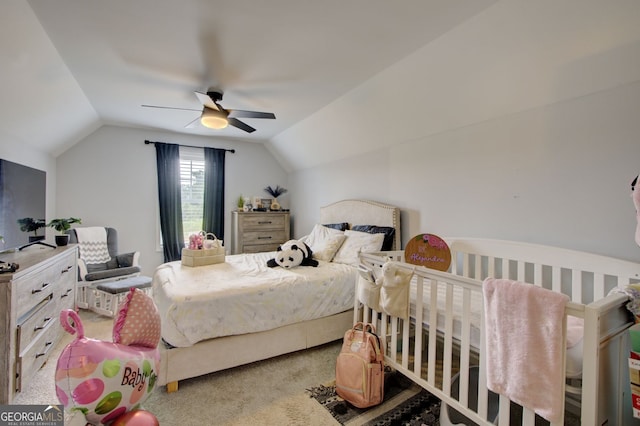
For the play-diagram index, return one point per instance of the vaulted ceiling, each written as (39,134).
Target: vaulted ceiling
(74,65)
(71,66)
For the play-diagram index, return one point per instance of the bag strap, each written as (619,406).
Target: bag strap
(377,344)
(363,327)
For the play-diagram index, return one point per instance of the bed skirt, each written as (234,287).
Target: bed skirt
(231,351)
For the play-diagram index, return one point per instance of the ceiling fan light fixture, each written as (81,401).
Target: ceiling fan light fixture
(214,119)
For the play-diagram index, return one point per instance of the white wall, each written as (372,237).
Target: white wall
(555,175)
(521,123)
(109,179)
(513,56)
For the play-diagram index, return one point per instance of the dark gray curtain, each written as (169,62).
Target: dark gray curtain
(169,196)
(213,215)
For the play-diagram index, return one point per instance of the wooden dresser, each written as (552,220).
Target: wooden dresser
(253,232)
(31,299)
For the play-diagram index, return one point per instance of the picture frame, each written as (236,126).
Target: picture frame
(266,203)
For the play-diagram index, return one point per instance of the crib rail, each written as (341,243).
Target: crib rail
(584,277)
(429,352)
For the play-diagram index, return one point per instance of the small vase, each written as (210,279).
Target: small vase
(274,205)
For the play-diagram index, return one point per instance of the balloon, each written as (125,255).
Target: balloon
(104,380)
(136,418)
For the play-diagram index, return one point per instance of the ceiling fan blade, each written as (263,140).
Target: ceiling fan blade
(193,124)
(166,107)
(240,125)
(207,101)
(250,114)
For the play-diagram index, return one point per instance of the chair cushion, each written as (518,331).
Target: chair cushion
(95,267)
(120,286)
(111,273)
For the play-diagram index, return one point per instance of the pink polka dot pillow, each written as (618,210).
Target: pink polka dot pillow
(138,321)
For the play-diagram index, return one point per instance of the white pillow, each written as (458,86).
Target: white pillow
(318,235)
(357,242)
(327,248)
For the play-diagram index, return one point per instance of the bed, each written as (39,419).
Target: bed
(440,346)
(220,316)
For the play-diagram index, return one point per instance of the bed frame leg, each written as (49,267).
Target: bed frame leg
(172,387)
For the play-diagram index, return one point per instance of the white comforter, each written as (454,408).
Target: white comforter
(243,295)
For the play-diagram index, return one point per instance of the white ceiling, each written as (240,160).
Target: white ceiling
(330,70)
(71,66)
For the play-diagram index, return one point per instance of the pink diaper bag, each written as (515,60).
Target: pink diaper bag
(360,367)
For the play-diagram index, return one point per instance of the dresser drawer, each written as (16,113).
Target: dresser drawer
(263,221)
(67,269)
(34,356)
(263,237)
(65,289)
(33,326)
(33,288)
(258,248)
(36,286)
(65,297)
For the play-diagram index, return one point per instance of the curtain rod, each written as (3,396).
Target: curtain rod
(233,151)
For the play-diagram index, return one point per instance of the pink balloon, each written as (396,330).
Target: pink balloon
(104,380)
(136,418)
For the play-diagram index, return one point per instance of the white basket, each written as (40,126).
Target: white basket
(203,257)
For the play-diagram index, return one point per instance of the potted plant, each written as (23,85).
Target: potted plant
(62,226)
(29,224)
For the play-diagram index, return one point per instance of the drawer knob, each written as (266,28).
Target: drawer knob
(45,321)
(38,355)
(264,238)
(265,222)
(38,290)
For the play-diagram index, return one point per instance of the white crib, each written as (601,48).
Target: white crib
(444,337)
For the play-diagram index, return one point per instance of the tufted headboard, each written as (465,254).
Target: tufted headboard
(363,212)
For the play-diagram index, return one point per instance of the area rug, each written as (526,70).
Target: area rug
(405,403)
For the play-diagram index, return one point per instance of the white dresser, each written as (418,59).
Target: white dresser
(31,299)
(253,232)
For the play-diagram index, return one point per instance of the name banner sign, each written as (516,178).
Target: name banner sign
(428,250)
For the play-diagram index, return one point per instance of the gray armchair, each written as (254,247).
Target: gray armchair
(120,266)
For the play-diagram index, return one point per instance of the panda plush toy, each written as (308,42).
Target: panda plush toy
(291,254)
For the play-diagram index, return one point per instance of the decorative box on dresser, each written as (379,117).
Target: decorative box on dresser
(31,299)
(253,232)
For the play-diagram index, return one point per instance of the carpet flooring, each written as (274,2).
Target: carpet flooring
(271,392)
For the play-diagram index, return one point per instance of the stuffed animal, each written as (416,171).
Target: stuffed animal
(291,254)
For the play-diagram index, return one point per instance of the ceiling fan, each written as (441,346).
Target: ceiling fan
(214,116)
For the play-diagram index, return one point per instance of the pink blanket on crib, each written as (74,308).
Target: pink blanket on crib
(524,344)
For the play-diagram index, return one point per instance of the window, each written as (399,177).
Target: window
(192,187)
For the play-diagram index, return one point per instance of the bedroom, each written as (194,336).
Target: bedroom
(518,122)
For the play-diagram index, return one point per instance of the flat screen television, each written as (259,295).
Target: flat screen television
(22,204)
